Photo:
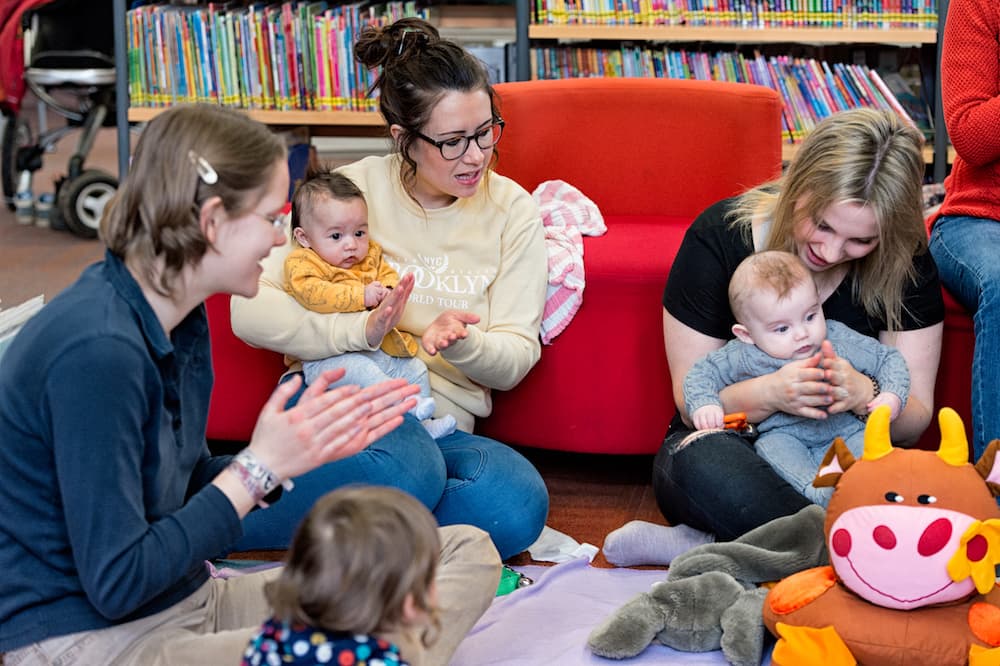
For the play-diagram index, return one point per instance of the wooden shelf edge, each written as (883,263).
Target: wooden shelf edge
(680,33)
(789,150)
(367,119)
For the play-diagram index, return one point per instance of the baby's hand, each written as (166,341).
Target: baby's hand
(886,398)
(374,293)
(447,328)
(709,416)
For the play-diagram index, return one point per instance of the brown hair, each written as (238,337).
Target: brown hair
(153,217)
(775,271)
(354,559)
(861,156)
(321,182)
(417,69)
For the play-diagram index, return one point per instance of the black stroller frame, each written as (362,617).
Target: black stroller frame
(69,49)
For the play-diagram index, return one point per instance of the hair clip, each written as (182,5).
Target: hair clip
(205,171)
(419,36)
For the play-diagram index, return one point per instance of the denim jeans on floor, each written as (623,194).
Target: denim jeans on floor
(965,249)
(718,484)
(461,478)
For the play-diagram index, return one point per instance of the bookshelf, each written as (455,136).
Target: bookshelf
(939,154)
(366,123)
(732,35)
(468,25)
(320,123)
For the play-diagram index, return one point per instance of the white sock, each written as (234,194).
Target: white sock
(639,542)
(441,427)
(424,408)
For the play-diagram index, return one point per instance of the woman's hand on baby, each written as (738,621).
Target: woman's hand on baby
(389,311)
(799,388)
(326,425)
(448,327)
(851,390)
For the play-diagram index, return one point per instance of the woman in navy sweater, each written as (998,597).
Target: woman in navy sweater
(112,501)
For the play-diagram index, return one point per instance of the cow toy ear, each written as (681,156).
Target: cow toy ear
(988,467)
(837,460)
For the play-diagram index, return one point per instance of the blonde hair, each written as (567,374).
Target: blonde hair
(858,156)
(154,217)
(775,271)
(355,558)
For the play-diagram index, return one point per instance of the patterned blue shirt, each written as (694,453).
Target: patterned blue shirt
(279,643)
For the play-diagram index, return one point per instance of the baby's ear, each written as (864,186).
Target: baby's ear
(300,237)
(742,333)
(411,613)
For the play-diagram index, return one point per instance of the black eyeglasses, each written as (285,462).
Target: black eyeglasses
(455,147)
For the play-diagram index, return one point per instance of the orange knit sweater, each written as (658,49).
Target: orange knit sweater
(970,88)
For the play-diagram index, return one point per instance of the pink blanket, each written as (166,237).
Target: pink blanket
(567,216)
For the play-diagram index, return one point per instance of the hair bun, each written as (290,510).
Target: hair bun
(385,46)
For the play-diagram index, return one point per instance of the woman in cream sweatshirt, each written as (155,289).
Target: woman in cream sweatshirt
(469,247)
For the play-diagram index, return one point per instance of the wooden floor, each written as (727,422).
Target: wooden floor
(590,494)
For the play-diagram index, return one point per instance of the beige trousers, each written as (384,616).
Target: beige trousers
(214,625)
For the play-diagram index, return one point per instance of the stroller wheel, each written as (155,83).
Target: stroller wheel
(16,135)
(82,200)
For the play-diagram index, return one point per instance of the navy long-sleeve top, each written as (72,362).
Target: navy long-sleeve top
(107,511)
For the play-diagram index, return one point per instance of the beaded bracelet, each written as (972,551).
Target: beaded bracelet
(876,389)
(256,477)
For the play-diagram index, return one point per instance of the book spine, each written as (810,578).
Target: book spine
(846,86)
(890,98)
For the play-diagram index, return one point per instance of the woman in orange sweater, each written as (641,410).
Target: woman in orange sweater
(966,233)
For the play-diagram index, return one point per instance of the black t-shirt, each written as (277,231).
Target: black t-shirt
(697,288)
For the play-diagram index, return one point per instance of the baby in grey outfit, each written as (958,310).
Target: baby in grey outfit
(780,319)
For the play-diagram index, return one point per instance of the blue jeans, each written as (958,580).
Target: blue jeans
(719,484)
(461,478)
(965,249)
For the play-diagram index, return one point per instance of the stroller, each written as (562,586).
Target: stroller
(61,50)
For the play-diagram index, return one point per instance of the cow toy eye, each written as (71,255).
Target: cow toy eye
(926,499)
(893,497)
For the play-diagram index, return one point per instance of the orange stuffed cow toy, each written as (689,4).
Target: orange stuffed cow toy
(913,539)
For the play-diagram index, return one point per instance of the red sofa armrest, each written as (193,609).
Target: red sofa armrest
(245,377)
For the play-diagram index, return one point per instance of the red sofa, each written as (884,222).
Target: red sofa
(652,153)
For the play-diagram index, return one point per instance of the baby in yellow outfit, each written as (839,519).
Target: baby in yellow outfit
(338,268)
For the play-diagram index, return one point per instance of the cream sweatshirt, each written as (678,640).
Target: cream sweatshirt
(483,254)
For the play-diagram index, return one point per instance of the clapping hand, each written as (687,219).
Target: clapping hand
(449,326)
(389,311)
(851,390)
(800,388)
(326,425)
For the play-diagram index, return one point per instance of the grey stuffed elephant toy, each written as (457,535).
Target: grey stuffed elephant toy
(712,597)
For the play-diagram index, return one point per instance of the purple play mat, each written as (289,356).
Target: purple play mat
(547,624)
